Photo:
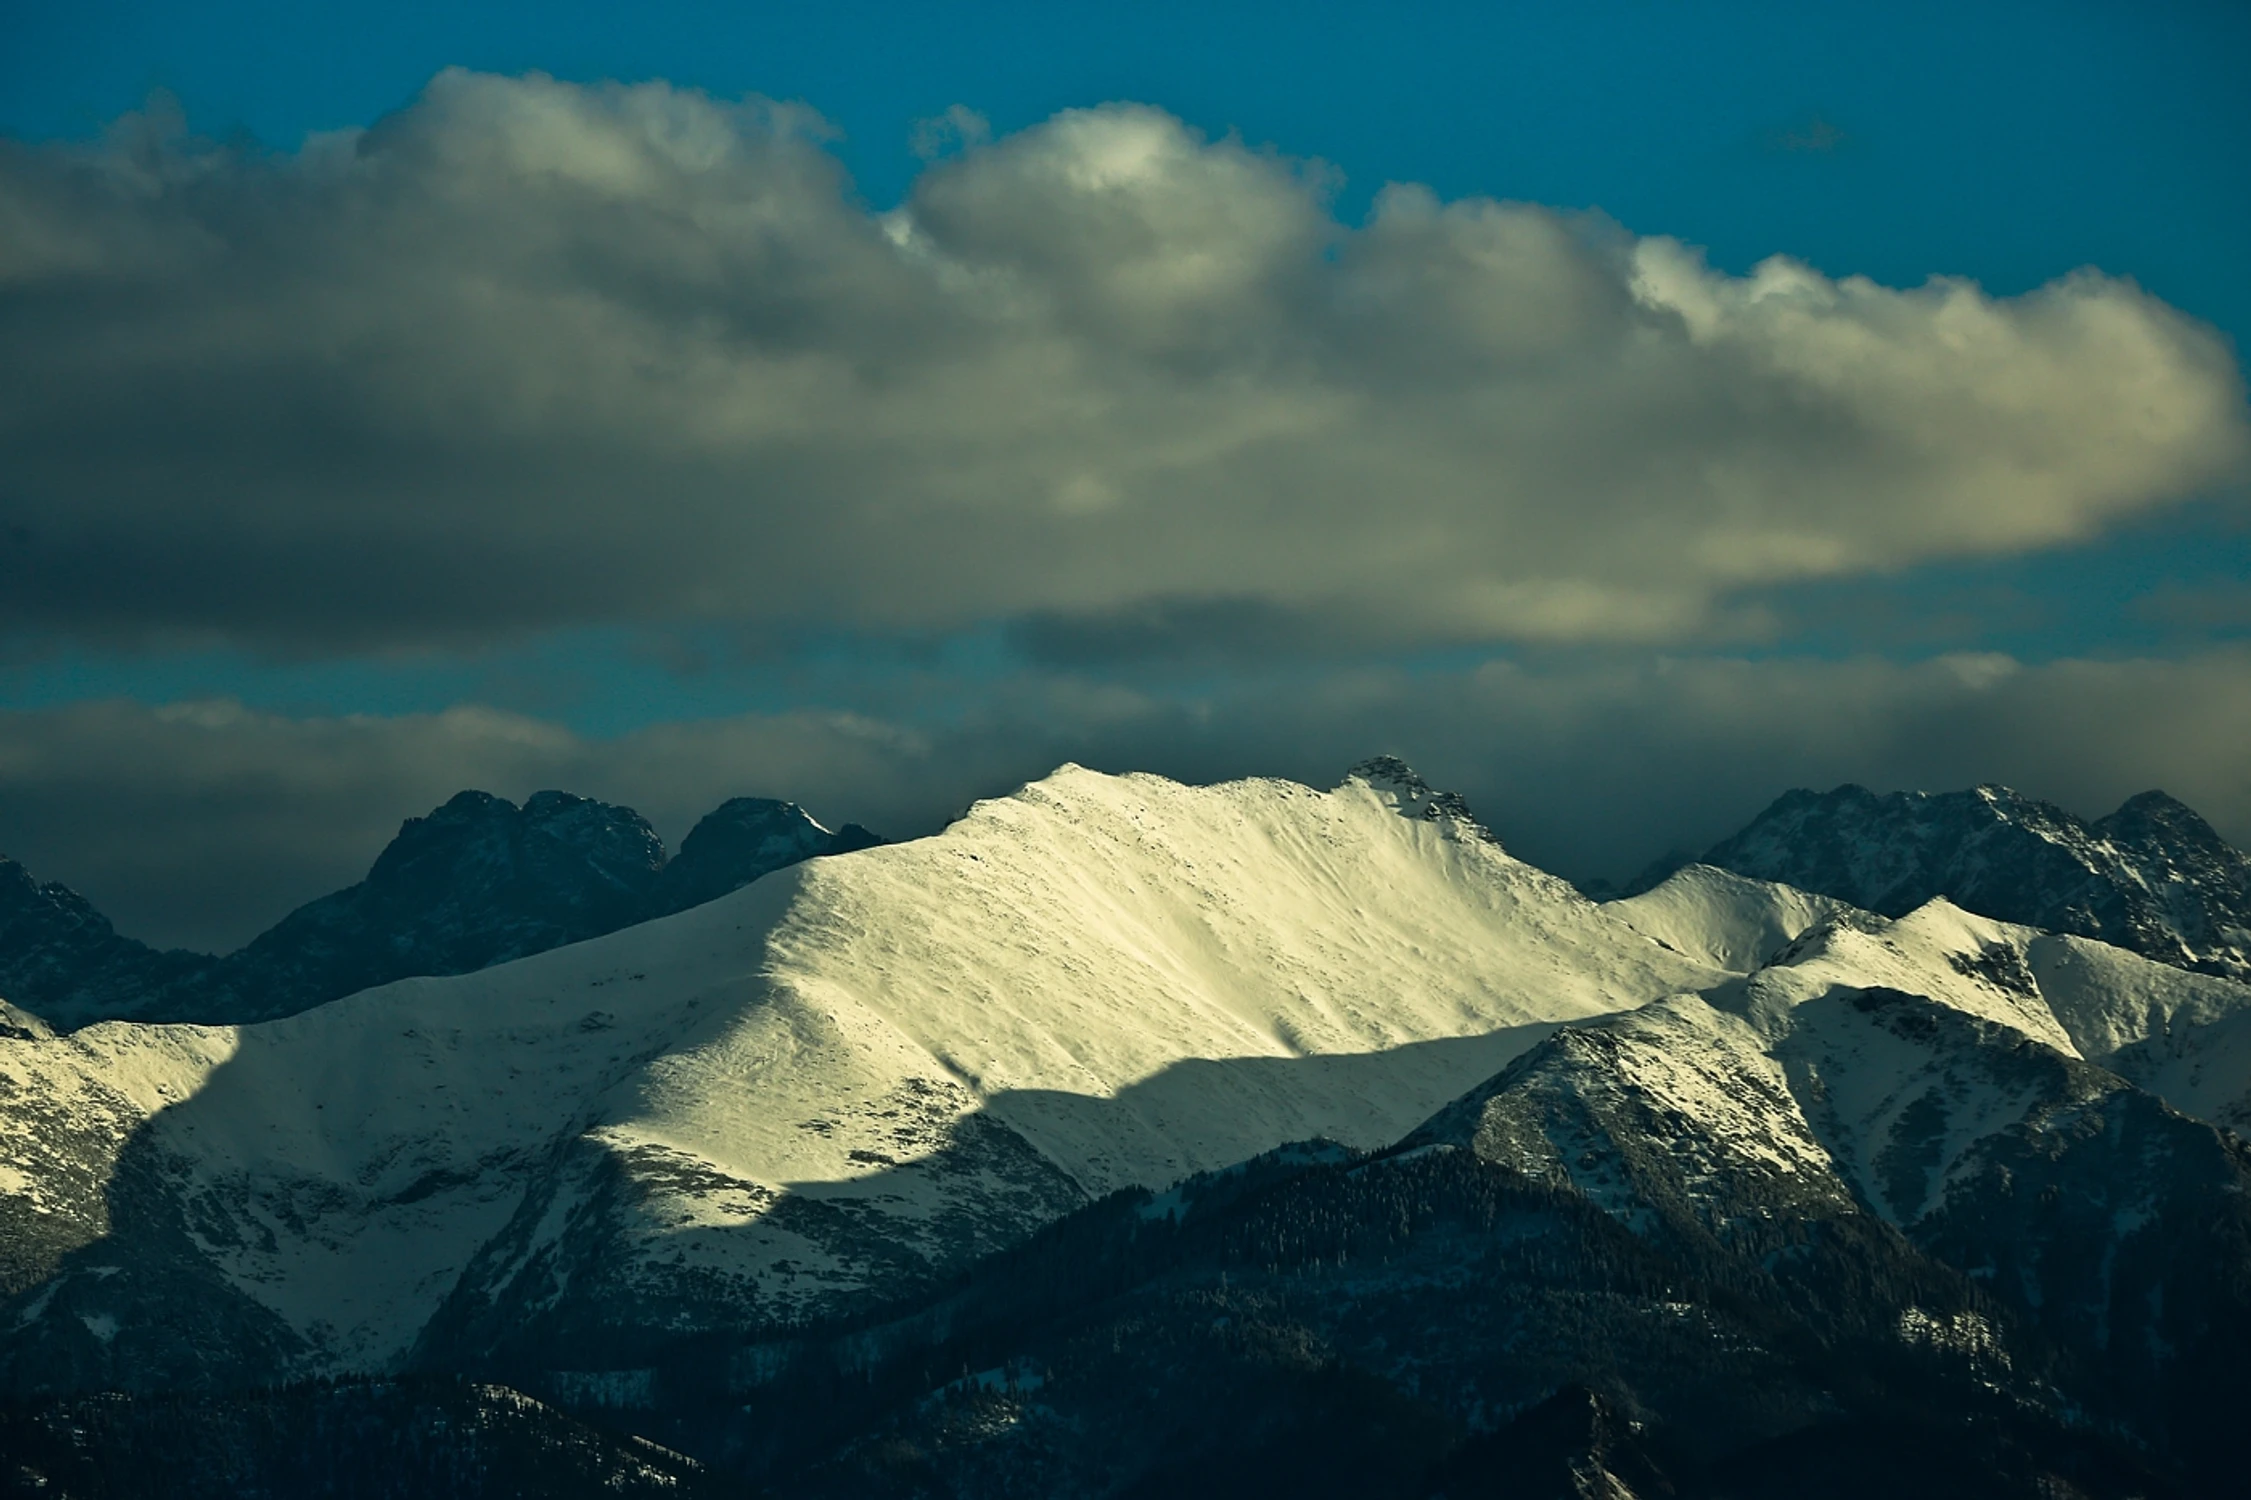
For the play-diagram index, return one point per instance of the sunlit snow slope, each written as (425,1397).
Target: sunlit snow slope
(2036,1111)
(864,1071)
(2183,1036)
(823,1086)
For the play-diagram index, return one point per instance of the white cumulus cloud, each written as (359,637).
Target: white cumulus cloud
(528,354)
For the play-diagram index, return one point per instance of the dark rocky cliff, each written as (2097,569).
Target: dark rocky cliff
(478,881)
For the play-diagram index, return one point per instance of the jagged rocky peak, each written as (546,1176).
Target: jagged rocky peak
(22,1025)
(2153,876)
(571,848)
(44,914)
(1417,797)
(2166,823)
(742,839)
(21,893)
(764,825)
(61,957)
(474,882)
(478,881)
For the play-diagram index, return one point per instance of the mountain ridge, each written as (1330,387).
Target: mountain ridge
(964,1165)
(475,881)
(816,1090)
(2153,876)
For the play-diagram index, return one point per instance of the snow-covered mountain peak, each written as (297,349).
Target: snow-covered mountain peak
(1968,963)
(22,1025)
(1390,777)
(1390,771)
(2183,1036)
(1794,947)
(1924,1071)
(1727,920)
(854,1072)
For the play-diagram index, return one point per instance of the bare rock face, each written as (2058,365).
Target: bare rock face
(1417,797)
(62,958)
(740,840)
(478,881)
(2152,877)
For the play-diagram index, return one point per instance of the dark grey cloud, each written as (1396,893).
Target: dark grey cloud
(202,823)
(1219,632)
(527,355)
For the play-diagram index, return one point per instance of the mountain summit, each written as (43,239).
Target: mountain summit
(1417,797)
(478,881)
(2153,877)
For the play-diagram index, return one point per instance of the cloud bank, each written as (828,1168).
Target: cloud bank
(528,355)
(202,823)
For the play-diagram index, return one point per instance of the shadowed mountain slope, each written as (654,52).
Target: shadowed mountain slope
(422,1439)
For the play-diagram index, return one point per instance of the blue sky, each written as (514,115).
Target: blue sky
(2008,145)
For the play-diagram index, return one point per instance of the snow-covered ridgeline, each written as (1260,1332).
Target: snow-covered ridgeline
(864,1069)
(1131,978)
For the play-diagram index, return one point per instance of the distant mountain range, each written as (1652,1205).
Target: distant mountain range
(478,881)
(1136,1139)
(2153,876)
